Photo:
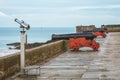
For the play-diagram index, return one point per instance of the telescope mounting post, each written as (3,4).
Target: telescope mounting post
(22,48)
(23,41)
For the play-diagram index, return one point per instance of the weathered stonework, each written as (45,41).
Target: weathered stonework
(112,28)
(10,65)
(82,28)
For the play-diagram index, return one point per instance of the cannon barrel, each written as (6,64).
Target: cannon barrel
(99,29)
(88,32)
(94,30)
(73,35)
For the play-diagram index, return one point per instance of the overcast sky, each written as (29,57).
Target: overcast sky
(59,13)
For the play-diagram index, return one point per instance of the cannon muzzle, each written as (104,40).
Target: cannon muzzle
(73,35)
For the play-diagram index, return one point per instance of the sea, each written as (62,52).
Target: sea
(34,34)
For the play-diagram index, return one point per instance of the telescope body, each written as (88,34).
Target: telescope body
(22,24)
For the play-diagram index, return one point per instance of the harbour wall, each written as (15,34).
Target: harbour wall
(112,27)
(10,65)
(81,28)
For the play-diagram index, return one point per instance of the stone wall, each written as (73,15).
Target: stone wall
(10,65)
(112,28)
(82,28)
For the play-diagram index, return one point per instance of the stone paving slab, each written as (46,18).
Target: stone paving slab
(91,75)
(86,65)
(64,67)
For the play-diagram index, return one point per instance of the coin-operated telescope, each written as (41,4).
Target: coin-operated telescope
(23,39)
(22,24)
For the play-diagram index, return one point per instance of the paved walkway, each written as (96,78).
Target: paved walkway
(85,65)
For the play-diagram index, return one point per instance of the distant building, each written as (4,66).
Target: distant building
(81,28)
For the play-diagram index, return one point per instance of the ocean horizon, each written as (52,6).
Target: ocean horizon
(35,34)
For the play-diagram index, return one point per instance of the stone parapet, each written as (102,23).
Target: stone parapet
(10,65)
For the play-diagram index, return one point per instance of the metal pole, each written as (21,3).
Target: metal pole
(22,55)
(23,40)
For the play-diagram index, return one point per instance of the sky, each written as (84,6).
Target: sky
(59,13)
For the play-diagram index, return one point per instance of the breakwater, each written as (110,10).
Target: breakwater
(112,27)
(10,65)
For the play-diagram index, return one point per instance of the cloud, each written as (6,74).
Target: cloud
(60,12)
(63,9)
(2,14)
(62,20)
(95,7)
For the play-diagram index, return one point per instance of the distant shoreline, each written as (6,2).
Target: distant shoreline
(16,45)
(5,52)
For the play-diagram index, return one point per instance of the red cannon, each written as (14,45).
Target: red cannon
(105,30)
(78,40)
(76,43)
(98,32)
